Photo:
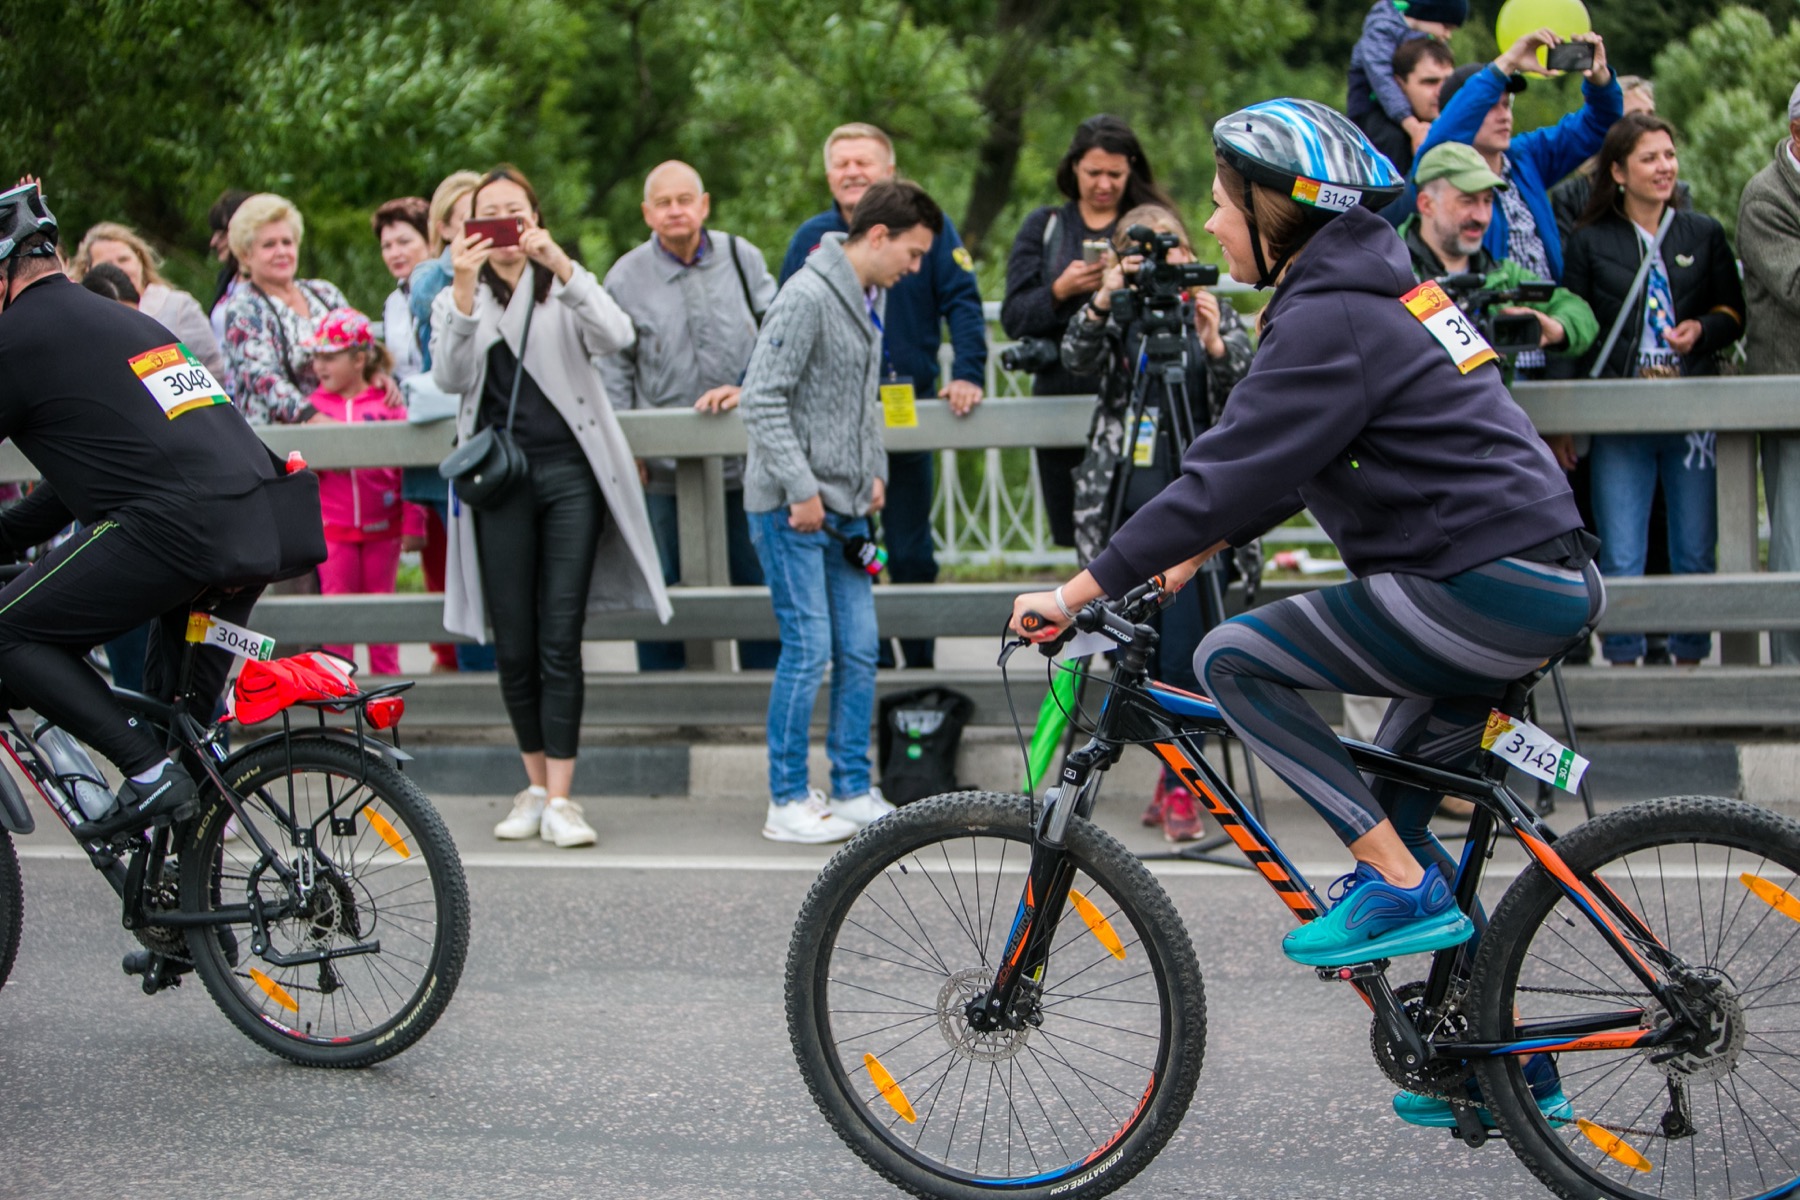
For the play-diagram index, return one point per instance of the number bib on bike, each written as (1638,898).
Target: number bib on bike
(177,380)
(1449,325)
(1533,751)
(207,630)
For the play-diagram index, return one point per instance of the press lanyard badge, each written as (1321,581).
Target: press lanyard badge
(898,404)
(1143,451)
(177,380)
(1533,751)
(1446,322)
(207,630)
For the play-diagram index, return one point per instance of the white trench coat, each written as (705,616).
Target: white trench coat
(577,322)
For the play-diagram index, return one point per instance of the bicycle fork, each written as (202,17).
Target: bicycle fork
(1010,1002)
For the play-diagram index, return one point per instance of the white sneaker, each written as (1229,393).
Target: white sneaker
(810,820)
(865,809)
(527,814)
(564,825)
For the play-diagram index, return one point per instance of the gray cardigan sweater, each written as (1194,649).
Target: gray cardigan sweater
(810,400)
(1769,244)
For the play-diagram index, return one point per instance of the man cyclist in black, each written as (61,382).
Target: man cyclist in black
(175,494)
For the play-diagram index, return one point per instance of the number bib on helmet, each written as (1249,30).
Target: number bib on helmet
(177,380)
(1448,324)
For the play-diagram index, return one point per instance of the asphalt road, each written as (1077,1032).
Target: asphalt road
(619,1033)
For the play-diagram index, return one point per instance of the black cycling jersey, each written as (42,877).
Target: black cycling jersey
(125,424)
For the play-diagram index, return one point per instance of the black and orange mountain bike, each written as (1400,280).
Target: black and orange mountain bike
(987,994)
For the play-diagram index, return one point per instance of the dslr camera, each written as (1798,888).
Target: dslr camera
(1032,355)
(1153,295)
(1510,334)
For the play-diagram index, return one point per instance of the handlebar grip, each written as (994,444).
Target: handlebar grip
(1034,622)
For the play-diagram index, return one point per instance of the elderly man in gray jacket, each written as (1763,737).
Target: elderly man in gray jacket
(1769,244)
(817,469)
(696,297)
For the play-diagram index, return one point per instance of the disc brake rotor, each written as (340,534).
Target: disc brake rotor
(962,1038)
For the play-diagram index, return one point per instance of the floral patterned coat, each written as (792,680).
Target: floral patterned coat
(263,339)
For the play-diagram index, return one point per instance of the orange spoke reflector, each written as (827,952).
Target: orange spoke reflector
(388,833)
(890,1091)
(1776,898)
(1098,925)
(1613,1146)
(276,992)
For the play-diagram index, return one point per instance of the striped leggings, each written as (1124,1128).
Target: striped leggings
(1443,650)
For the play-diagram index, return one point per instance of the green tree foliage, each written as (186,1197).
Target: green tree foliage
(143,110)
(1725,89)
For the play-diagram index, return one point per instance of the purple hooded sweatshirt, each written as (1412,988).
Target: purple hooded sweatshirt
(1355,410)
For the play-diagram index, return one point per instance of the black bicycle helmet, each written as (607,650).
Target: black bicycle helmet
(1309,152)
(23,213)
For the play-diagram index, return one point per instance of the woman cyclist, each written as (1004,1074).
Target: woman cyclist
(1377,408)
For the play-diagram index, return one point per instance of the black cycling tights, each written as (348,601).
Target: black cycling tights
(537,558)
(102,582)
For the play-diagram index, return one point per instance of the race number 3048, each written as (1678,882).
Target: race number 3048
(177,380)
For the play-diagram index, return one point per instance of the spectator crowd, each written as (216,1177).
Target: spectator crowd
(494,328)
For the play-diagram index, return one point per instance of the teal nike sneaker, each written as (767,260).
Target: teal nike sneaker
(1546,1088)
(1370,918)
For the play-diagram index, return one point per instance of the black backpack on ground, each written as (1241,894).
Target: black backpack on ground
(920,732)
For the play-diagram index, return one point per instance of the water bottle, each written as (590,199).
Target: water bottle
(75,768)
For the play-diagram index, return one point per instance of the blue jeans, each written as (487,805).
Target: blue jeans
(744,570)
(1626,468)
(826,610)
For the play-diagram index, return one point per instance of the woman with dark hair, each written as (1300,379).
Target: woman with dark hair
(1664,283)
(1051,272)
(1370,404)
(524,322)
(400,229)
(218,220)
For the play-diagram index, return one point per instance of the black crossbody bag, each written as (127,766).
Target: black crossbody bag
(489,465)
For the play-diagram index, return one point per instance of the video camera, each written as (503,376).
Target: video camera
(1154,292)
(1509,334)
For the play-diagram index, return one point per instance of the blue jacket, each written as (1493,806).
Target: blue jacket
(1539,158)
(1353,409)
(428,279)
(943,290)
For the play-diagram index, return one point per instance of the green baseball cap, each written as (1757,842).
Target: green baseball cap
(1461,164)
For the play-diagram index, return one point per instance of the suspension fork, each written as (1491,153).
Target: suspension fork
(1009,1001)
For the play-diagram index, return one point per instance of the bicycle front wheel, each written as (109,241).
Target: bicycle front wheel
(12,905)
(904,928)
(376,948)
(1703,1115)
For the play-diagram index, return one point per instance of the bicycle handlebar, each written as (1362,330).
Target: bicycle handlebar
(1117,622)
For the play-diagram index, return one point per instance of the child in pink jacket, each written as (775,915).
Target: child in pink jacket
(364,518)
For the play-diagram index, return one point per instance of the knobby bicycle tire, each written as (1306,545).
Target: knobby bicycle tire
(1098,1099)
(392,877)
(12,905)
(1714,880)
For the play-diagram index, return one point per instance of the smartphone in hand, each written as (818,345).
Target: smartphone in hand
(502,231)
(1570,56)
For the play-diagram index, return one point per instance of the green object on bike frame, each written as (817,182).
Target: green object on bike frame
(1052,722)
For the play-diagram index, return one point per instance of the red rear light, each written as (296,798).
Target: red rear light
(385,711)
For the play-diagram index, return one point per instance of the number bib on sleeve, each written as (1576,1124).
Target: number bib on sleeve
(1449,325)
(177,380)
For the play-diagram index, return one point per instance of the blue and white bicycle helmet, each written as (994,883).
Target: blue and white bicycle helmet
(1306,151)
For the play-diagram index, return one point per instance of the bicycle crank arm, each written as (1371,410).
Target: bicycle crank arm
(316,956)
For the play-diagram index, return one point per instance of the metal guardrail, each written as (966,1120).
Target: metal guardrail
(1738,602)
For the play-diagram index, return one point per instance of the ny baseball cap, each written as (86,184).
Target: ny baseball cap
(1461,164)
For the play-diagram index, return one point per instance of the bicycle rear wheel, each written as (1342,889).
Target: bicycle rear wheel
(12,905)
(904,927)
(385,873)
(1715,1116)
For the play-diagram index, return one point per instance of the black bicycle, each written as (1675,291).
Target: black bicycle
(988,994)
(317,894)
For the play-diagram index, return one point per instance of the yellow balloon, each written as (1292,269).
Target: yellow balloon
(1565,18)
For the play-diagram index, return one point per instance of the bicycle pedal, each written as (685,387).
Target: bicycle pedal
(1354,972)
